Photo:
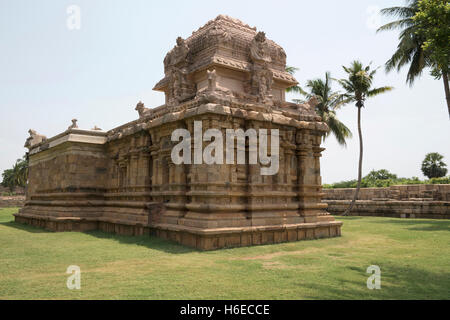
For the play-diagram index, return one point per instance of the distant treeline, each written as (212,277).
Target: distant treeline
(383,178)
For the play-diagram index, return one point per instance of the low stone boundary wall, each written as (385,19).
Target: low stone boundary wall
(12,201)
(393,208)
(437,192)
(405,201)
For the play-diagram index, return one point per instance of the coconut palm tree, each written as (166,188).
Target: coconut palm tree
(329,102)
(17,176)
(358,87)
(20,170)
(294,89)
(410,49)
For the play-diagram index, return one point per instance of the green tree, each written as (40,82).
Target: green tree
(17,176)
(412,49)
(328,103)
(381,174)
(358,87)
(8,179)
(433,166)
(20,170)
(409,49)
(433,26)
(294,89)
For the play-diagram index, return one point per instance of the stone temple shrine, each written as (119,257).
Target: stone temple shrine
(226,75)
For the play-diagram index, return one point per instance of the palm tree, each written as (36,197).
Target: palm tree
(410,47)
(329,102)
(294,89)
(20,170)
(358,87)
(17,176)
(433,166)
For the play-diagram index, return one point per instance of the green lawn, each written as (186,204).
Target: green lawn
(414,257)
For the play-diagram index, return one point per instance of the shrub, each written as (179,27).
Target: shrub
(372,181)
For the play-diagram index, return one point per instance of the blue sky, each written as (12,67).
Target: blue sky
(50,74)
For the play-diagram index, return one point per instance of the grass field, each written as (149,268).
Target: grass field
(414,257)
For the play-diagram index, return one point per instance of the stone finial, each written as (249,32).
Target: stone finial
(73,125)
(34,139)
(96,128)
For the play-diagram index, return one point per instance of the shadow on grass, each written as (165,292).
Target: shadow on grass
(418,224)
(337,217)
(397,282)
(24,227)
(150,242)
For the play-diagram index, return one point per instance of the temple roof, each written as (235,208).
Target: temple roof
(225,41)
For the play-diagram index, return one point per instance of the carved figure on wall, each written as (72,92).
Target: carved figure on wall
(176,84)
(180,87)
(262,84)
(218,33)
(73,125)
(177,55)
(212,80)
(263,88)
(214,87)
(259,49)
(34,138)
(141,109)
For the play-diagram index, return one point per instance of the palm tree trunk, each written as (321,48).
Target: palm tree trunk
(346,213)
(447,90)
